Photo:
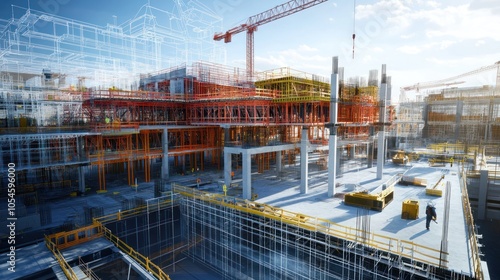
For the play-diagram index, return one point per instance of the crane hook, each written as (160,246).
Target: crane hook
(353,27)
(353,37)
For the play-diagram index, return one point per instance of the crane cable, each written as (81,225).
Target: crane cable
(353,28)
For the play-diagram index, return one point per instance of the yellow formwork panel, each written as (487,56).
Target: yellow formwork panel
(292,86)
(371,201)
(410,209)
(348,92)
(434,192)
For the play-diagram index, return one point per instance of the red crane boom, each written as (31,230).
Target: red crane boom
(253,22)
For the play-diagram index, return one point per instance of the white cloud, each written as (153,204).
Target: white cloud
(407,36)
(469,21)
(303,57)
(416,49)
(367,58)
(307,48)
(410,49)
(388,12)
(462,22)
(479,43)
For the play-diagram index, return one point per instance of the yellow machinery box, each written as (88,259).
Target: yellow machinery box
(410,210)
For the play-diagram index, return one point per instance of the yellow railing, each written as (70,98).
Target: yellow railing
(66,239)
(62,240)
(469,220)
(493,175)
(150,266)
(407,249)
(66,268)
(132,212)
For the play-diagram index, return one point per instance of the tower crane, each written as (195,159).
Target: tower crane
(452,80)
(253,22)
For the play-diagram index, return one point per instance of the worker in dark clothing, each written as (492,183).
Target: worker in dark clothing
(430,213)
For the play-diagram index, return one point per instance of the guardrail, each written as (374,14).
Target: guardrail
(66,239)
(133,212)
(469,220)
(63,240)
(150,266)
(403,248)
(87,270)
(66,268)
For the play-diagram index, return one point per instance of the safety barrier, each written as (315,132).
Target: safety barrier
(406,249)
(133,212)
(471,233)
(150,266)
(66,268)
(66,239)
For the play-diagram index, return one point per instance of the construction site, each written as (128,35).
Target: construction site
(134,153)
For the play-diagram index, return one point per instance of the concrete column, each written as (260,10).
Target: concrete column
(483,194)
(164,161)
(338,165)
(227,157)
(227,168)
(458,118)
(81,178)
(184,160)
(353,152)
(382,120)
(446,221)
(490,119)
(247,176)
(304,166)
(279,167)
(2,167)
(369,150)
(227,137)
(332,141)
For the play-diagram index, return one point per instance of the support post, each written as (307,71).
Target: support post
(227,157)
(446,220)
(247,176)
(483,194)
(304,170)
(227,168)
(164,161)
(81,179)
(382,120)
(332,141)
(278,162)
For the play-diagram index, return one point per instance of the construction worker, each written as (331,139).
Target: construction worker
(430,214)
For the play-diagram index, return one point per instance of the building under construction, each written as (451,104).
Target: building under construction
(196,169)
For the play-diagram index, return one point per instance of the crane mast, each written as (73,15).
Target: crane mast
(253,22)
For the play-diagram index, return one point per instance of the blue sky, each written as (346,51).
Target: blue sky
(418,40)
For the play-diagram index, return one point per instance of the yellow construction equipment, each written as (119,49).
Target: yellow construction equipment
(371,201)
(411,180)
(410,209)
(435,190)
(400,158)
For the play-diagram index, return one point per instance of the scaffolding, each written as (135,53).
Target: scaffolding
(111,55)
(243,239)
(469,115)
